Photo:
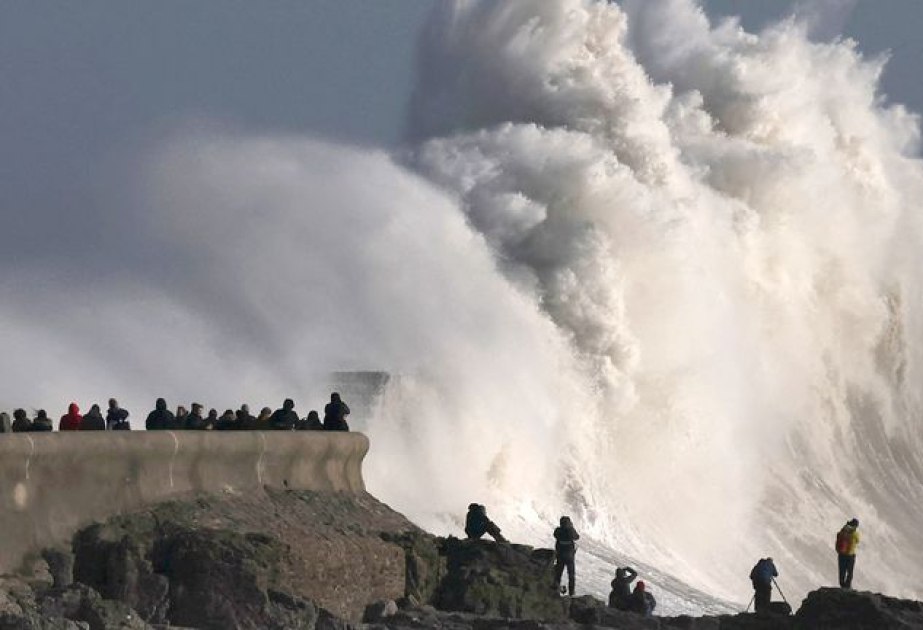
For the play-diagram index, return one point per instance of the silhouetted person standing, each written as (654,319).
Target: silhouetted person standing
(284,419)
(161,419)
(847,541)
(42,422)
(116,417)
(477,524)
(620,597)
(21,422)
(565,551)
(5,425)
(71,420)
(761,577)
(335,413)
(93,420)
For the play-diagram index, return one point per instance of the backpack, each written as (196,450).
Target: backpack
(842,541)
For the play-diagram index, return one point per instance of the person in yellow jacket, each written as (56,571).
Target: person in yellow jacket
(847,540)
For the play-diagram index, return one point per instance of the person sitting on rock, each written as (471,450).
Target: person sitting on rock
(641,601)
(335,413)
(477,524)
(71,420)
(42,422)
(93,420)
(311,423)
(194,419)
(284,419)
(161,419)
(116,417)
(565,552)
(620,597)
(245,422)
(21,422)
(761,577)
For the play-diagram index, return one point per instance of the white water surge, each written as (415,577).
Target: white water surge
(656,273)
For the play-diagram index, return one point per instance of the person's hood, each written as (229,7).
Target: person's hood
(161,405)
(640,587)
(73,409)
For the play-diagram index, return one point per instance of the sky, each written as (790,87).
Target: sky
(84,86)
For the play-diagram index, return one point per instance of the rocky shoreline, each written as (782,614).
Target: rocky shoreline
(281,559)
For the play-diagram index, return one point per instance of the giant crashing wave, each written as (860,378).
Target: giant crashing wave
(725,230)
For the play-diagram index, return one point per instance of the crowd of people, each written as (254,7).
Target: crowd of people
(195,418)
(639,599)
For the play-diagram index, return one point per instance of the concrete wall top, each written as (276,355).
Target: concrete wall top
(54,483)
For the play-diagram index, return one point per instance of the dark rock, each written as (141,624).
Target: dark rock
(424,565)
(80,603)
(60,566)
(856,610)
(498,580)
(376,611)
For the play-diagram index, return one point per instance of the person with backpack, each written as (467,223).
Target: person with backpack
(761,577)
(847,540)
(565,552)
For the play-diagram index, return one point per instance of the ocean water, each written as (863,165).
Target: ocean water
(653,272)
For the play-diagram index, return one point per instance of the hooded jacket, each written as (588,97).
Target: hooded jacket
(851,534)
(161,418)
(72,420)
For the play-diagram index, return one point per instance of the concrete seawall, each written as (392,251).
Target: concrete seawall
(54,483)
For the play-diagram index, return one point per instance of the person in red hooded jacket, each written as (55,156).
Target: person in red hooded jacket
(72,420)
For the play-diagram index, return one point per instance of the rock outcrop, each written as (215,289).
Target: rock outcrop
(282,559)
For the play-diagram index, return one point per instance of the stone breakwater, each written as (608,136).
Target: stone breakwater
(51,484)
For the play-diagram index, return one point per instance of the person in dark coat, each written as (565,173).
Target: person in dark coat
(335,413)
(477,524)
(21,422)
(160,419)
(179,420)
(42,422)
(284,419)
(194,419)
(311,423)
(620,597)
(245,422)
(262,421)
(71,420)
(642,602)
(93,420)
(5,425)
(565,551)
(227,421)
(761,577)
(116,417)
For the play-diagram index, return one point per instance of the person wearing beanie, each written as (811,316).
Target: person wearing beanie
(847,540)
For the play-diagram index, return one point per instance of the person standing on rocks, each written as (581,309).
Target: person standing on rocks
(847,540)
(620,597)
(335,413)
(565,551)
(161,419)
(477,524)
(761,577)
